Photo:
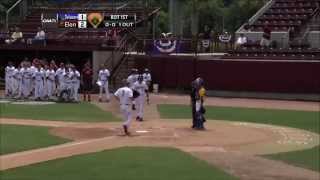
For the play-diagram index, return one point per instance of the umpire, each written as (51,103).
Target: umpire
(197,116)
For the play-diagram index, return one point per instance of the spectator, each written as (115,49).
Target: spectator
(242,40)
(87,73)
(266,37)
(39,37)
(15,37)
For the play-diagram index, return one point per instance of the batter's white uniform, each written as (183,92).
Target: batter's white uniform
(60,77)
(51,84)
(125,95)
(76,84)
(103,78)
(17,76)
(9,80)
(26,81)
(141,87)
(38,77)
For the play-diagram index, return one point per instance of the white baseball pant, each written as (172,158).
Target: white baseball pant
(125,110)
(104,87)
(26,86)
(9,85)
(50,88)
(38,89)
(140,105)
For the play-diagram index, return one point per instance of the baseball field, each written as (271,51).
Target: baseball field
(244,139)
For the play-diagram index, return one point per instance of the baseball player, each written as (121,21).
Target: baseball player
(44,69)
(67,81)
(198,94)
(132,78)
(26,80)
(103,76)
(33,69)
(17,75)
(51,84)
(147,78)
(38,77)
(75,82)
(9,70)
(125,96)
(142,89)
(60,77)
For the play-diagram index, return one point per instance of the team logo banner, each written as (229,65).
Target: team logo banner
(166,44)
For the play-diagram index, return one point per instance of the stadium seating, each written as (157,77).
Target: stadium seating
(274,54)
(300,15)
(284,14)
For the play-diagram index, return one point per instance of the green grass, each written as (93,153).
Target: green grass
(122,164)
(297,119)
(20,138)
(81,112)
(308,159)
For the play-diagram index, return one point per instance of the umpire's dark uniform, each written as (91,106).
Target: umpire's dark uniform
(195,87)
(193,96)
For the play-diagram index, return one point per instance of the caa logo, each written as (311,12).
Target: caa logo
(49,20)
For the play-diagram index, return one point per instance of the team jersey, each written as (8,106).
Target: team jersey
(33,69)
(9,71)
(26,73)
(75,77)
(140,87)
(132,79)
(51,75)
(17,74)
(104,74)
(60,74)
(38,75)
(124,94)
(67,76)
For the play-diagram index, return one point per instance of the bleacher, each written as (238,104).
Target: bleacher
(274,54)
(299,15)
(284,14)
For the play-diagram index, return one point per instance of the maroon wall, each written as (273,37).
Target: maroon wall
(258,76)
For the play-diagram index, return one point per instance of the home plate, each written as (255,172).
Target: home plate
(142,131)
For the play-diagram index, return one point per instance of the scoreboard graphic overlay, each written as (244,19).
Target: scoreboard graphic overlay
(88,20)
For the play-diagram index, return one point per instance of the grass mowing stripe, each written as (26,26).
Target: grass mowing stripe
(20,138)
(296,119)
(81,112)
(130,163)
